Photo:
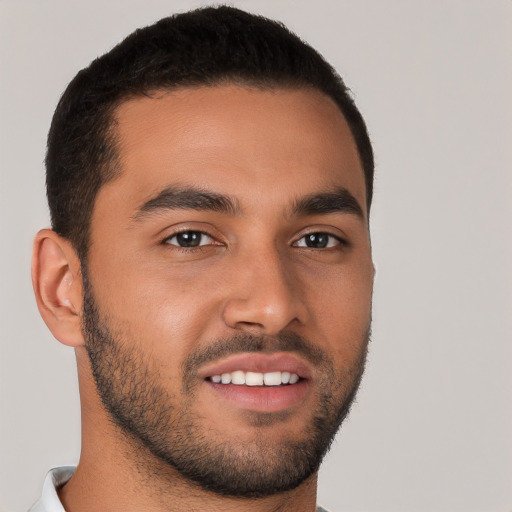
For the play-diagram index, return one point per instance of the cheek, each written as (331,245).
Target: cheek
(160,308)
(342,310)
(347,291)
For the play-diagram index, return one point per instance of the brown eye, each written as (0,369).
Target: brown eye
(318,241)
(190,239)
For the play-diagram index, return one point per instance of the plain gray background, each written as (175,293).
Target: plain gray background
(432,429)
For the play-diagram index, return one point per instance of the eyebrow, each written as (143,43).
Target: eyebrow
(339,200)
(179,198)
(190,198)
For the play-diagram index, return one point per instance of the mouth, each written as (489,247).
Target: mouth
(259,382)
(241,378)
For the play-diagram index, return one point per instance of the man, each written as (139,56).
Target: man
(209,182)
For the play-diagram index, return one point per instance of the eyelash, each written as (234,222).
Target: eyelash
(331,237)
(202,234)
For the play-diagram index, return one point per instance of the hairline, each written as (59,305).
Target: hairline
(112,168)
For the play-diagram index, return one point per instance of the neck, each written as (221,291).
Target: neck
(116,473)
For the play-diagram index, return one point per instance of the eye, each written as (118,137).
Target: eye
(190,239)
(318,241)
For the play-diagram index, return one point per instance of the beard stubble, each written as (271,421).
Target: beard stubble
(164,424)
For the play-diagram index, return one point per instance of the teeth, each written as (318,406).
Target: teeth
(241,378)
(253,379)
(238,377)
(272,379)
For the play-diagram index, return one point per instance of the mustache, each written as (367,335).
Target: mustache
(283,342)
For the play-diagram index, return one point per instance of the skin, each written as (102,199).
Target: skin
(265,150)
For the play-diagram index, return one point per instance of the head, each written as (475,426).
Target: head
(213,177)
(206,47)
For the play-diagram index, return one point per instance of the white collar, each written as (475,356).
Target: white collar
(49,501)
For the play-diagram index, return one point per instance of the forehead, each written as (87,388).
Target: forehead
(237,140)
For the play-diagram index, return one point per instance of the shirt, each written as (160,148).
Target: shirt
(50,502)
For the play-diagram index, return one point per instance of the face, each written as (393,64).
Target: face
(228,284)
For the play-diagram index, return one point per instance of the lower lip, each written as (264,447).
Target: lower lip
(262,398)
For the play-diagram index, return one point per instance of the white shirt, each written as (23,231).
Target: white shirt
(50,502)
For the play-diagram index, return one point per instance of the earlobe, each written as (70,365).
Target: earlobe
(57,283)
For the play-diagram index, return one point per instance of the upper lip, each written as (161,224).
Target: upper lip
(259,363)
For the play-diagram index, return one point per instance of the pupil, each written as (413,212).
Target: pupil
(317,240)
(189,238)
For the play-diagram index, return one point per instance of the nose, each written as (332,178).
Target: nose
(264,296)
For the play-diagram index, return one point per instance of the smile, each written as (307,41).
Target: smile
(259,382)
(241,378)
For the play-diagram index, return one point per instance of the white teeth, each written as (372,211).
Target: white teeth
(272,379)
(253,379)
(238,377)
(241,378)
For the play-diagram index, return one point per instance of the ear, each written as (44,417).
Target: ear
(57,282)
